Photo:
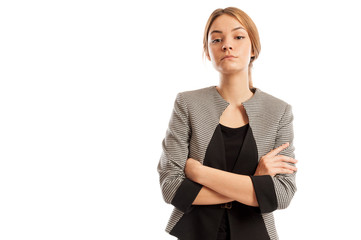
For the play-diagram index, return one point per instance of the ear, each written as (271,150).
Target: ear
(252,56)
(207,55)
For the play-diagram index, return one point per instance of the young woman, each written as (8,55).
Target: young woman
(228,156)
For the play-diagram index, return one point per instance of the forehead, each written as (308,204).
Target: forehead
(225,23)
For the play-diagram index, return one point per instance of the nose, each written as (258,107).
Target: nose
(226,46)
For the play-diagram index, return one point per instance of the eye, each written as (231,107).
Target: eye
(240,37)
(216,40)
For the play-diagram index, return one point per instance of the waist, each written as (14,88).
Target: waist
(227,205)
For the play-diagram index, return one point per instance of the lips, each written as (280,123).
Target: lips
(228,56)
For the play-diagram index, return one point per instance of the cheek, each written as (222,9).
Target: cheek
(248,48)
(213,53)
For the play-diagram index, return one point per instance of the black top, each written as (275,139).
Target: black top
(233,140)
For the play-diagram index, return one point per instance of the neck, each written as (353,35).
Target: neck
(234,88)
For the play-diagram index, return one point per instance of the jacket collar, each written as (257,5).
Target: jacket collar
(222,104)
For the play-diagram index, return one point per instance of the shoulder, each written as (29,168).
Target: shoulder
(271,104)
(270,100)
(198,96)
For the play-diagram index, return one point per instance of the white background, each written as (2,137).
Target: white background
(86,93)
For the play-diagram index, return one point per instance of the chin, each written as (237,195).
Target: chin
(229,70)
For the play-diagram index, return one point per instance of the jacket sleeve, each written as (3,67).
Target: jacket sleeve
(277,192)
(176,188)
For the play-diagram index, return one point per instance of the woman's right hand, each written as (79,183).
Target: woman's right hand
(272,164)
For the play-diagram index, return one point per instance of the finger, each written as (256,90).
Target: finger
(275,151)
(285,159)
(289,159)
(285,165)
(288,166)
(284,171)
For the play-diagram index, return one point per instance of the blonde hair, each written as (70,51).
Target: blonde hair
(251,29)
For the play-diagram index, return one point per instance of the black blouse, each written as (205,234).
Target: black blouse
(233,140)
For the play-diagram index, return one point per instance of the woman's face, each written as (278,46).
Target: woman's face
(228,37)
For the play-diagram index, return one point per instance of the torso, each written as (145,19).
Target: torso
(234,116)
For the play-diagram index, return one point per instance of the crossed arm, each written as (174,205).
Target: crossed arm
(221,186)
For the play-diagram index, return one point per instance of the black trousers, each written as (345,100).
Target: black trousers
(224,231)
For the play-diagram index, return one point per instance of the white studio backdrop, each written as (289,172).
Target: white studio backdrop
(87,90)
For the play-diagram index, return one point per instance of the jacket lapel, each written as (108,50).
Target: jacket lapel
(215,154)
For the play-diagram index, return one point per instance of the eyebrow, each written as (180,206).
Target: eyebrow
(217,31)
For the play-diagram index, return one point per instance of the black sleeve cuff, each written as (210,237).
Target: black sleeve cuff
(265,193)
(186,194)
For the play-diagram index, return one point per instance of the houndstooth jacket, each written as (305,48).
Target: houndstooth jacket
(194,132)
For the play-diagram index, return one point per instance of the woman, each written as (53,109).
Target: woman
(228,155)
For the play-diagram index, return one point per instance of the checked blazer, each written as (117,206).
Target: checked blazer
(194,131)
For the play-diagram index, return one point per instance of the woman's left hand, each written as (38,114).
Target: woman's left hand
(192,169)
